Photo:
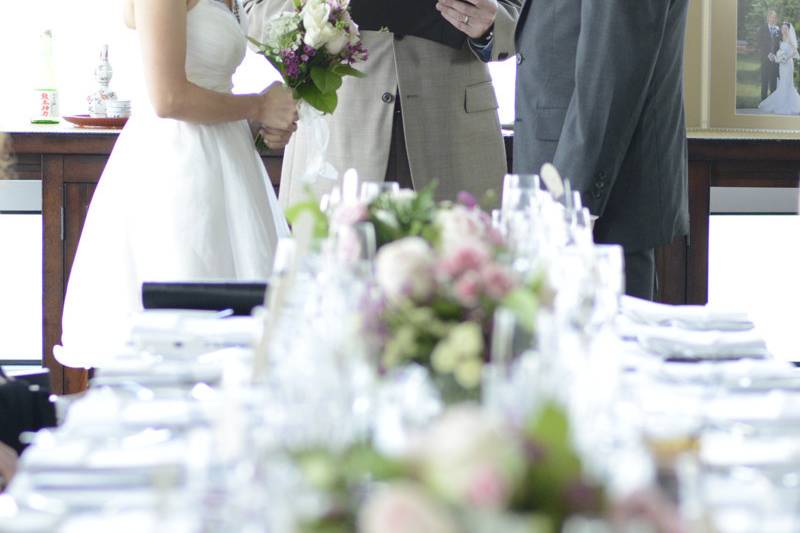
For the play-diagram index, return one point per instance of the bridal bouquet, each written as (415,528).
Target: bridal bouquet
(469,472)
(314,47)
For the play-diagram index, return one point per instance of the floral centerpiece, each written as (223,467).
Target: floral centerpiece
(471,472)
(314,47)
(442,274)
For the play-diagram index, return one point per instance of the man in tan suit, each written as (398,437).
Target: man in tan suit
(426,111)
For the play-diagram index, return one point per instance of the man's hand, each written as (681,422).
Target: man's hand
(473,17)
(8,464)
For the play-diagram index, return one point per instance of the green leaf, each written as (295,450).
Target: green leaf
(326,80)
(346,70)
(524,304)
(311,207)
(326,103)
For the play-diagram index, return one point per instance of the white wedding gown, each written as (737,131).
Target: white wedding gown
(785,100)
(177,202)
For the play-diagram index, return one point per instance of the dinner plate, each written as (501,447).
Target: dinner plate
(86,121)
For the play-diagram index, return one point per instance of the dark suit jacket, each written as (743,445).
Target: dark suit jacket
(767,44)
(600,94)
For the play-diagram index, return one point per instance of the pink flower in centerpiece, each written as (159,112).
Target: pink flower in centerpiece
(350,215)
(497,280)
(469,257)
(468,288)
(470,457)
(404,508)
(489,489)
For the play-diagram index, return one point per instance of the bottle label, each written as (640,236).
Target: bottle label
(46,105)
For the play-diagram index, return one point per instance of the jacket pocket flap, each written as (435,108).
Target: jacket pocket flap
(480,97)
(549,122)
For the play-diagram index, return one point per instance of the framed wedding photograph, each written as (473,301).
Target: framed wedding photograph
(767,58)
(751,66)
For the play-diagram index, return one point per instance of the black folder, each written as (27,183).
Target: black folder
(407,17)
(241,298)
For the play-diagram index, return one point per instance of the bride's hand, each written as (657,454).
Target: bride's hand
(275,139)
(277,110)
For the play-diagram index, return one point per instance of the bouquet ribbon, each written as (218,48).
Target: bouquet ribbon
(313,133)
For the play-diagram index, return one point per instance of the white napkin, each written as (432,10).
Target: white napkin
(694,317)
(675,343)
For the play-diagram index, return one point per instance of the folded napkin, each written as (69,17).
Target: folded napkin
(679,344)
(695,317)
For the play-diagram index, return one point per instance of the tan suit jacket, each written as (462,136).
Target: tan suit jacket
(448,103)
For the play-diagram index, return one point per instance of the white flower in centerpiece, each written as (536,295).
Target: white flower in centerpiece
(460,225)
(406,269)
(316,20)
(404,508)
(471,458)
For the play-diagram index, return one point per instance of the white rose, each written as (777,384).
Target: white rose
(458,226)
(315,20)
(404,508)
(337,43)
(470,457)
(406,269)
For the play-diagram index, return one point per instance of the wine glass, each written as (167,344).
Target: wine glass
(519,191)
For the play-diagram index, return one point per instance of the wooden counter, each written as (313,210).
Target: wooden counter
(69,162)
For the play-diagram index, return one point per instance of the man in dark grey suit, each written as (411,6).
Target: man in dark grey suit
(600,95)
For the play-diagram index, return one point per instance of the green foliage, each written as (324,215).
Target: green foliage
(310,207)
(558,469)
(327,81)
(395,219)
(524,303)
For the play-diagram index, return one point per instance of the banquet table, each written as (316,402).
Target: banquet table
(164,424)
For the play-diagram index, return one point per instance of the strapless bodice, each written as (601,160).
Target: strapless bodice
(215,45)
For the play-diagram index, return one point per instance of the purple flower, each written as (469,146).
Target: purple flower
(467,200)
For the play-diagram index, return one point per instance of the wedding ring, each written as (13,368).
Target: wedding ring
(466,20)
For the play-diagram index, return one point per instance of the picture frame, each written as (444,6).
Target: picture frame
(718,81)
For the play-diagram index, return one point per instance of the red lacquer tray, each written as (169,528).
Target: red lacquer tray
(85,121)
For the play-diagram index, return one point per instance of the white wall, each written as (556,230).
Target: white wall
(80,28)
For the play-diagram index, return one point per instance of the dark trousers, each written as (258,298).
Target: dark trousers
(769,78)
(398,168)
(640,274)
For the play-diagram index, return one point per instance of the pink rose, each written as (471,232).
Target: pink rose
(497,280)
(470,257)
(468,288)
(488,488)
(351,214)
(404,508)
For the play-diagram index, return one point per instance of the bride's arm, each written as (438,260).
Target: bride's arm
(161,25)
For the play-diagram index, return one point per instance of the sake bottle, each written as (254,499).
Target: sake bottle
(45,93)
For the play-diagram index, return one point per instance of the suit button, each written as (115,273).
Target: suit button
(387,98)
(600,185)
(520,58)
(597,195)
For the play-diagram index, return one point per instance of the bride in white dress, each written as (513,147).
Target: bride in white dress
(785,100)
(184,196)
